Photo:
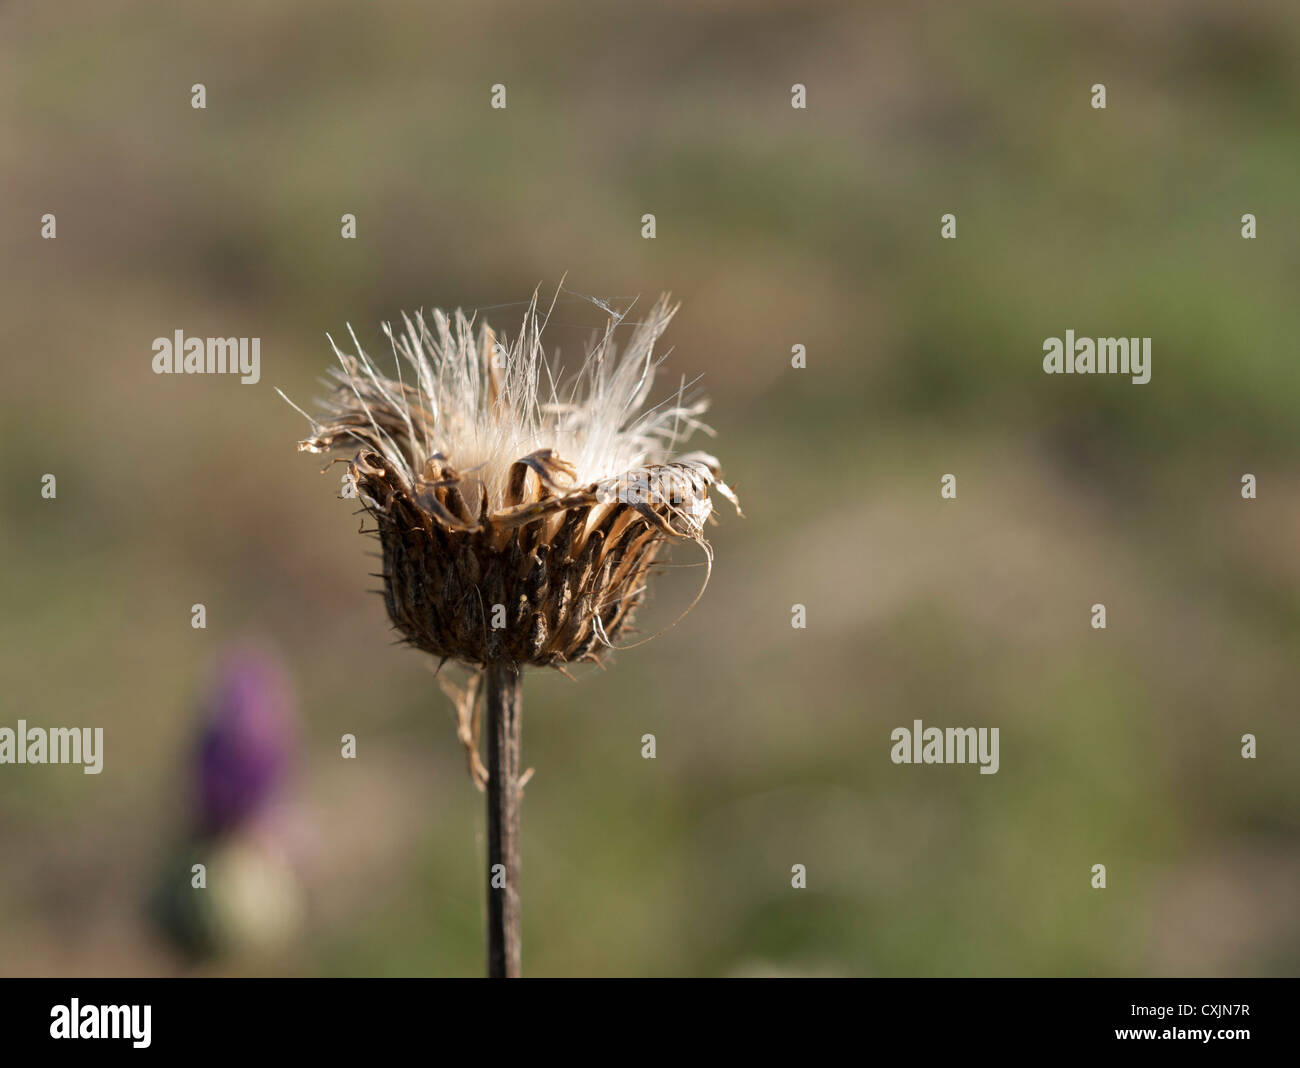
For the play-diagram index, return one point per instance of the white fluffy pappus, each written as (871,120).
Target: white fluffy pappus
(479,404)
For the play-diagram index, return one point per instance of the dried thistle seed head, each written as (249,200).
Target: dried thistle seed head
(519,512)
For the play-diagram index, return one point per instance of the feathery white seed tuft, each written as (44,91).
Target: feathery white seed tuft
(483,403)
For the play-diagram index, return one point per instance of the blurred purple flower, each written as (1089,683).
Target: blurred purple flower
(247,744)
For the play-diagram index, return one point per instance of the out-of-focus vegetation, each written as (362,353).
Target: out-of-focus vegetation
(775,227)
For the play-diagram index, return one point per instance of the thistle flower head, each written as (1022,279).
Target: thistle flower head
(519,509)
(247,742)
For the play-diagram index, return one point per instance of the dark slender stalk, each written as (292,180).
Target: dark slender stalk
(504,734)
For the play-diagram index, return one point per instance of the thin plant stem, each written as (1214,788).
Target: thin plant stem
(504,734)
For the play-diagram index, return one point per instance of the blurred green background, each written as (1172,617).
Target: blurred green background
(776,227)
